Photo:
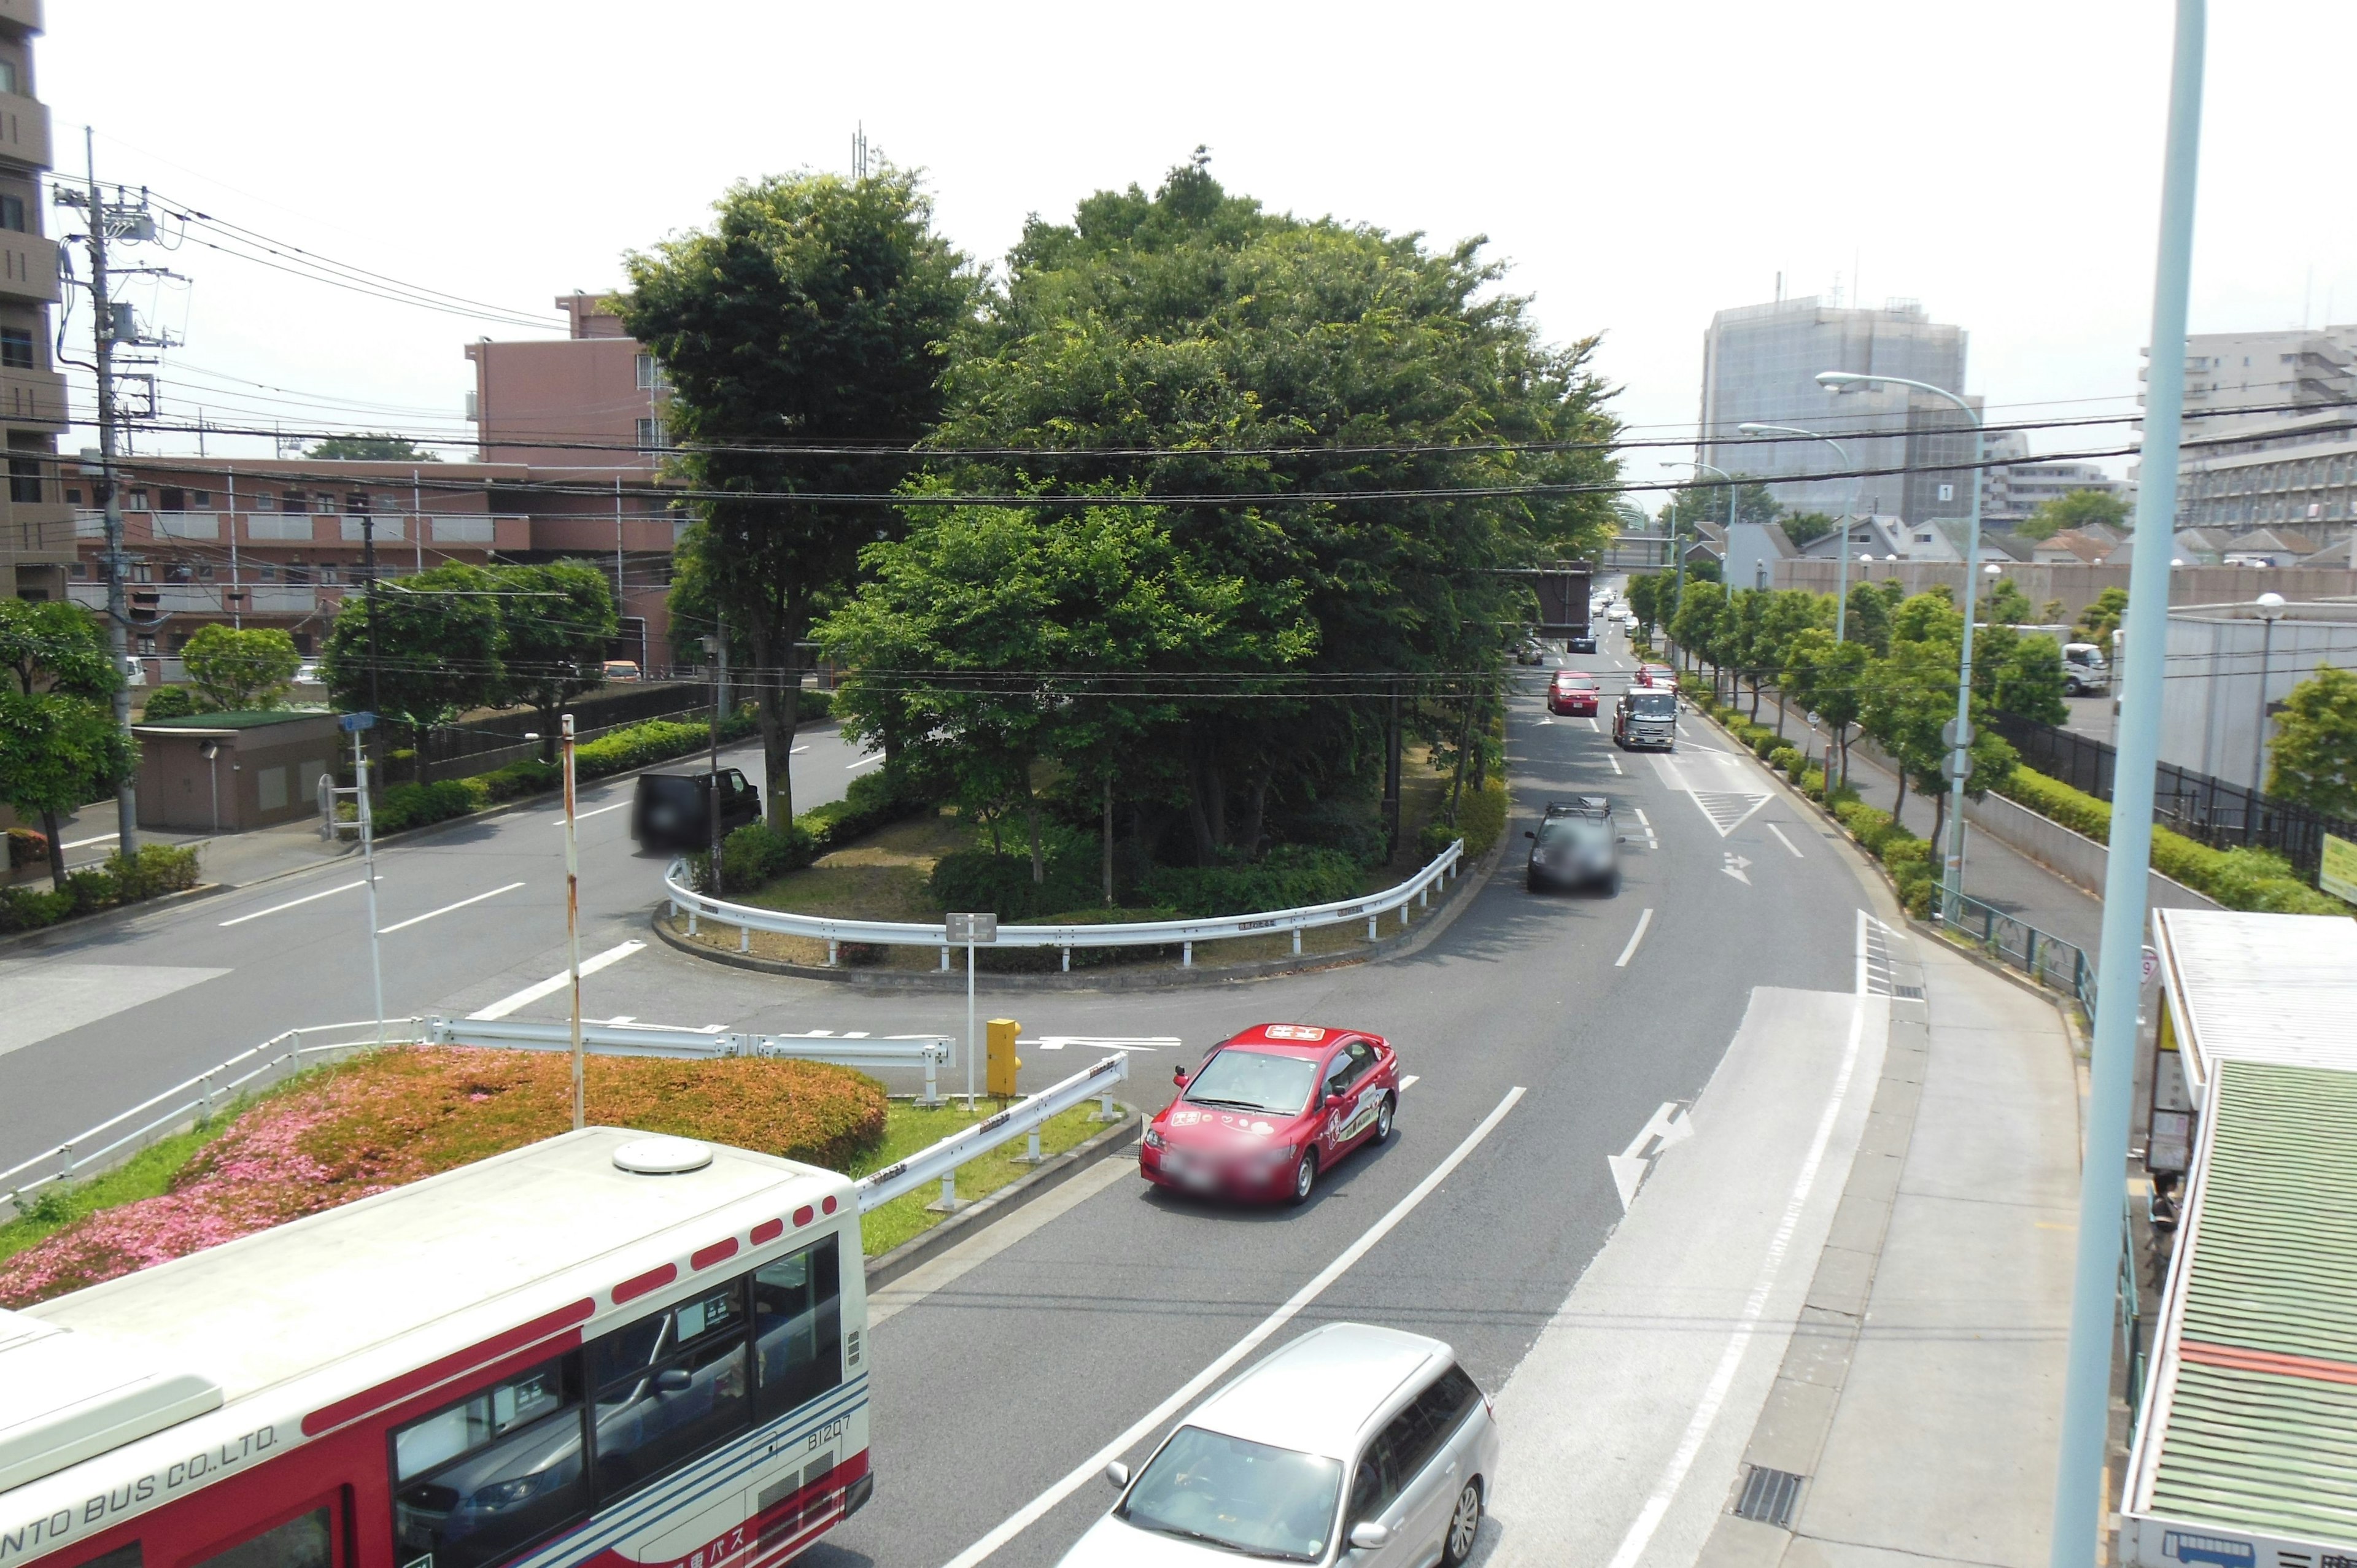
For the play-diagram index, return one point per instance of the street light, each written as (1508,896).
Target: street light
(2271,608)
(1841,594)
(1959,735)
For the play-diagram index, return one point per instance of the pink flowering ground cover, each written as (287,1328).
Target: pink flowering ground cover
(397,1116)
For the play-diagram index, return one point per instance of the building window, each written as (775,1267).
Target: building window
(79,569)
(294,501)
(139,500)
(266,572)
(175,499)
(202,500)
(25,480)
(7,76)
(73,495)
(12,213)
(650,375)
(16,348)
(650,434)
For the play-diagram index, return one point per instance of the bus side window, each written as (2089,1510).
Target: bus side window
(126,1555)
(798,1326)
(306,1541)
(490,1473)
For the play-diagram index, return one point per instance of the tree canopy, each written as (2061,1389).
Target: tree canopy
(2075,508)
(233,669)
(555,622)
(2313,761)
(59,746)
(437,652)
(371,449)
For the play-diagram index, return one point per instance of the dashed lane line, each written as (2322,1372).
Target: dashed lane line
(307,897)
(1788,843)
(446,909)
(1635,937)
(556,983)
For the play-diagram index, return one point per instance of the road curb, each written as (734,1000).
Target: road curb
(1400,944)
(1057,1169)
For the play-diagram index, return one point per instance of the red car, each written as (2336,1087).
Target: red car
(1572,692)
(1271,1109)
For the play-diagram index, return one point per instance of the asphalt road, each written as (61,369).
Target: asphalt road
(97,1020)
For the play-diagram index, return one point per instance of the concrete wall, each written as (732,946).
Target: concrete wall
(2077,586)
(2074,857)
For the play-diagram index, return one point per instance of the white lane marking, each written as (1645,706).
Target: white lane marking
(1635,937)
(1547,721)
(46,998)
(621,1018)
(994,1239)
(430,914)
(1105,1041)
(1722,1378)
(344,888)
(1788,843)
(584,816)
(871,757)
(1642,817)
(1858,951)
(1408,1082)
(556,983)
(1632,1164)
(85,843)
(1088,1470)
(797,751)
(1614,762)
(1594,726)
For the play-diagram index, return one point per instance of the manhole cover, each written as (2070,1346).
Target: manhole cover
(1768,1495)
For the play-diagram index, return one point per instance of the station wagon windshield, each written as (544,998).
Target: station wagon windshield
(1244,1495)
(1248,1080)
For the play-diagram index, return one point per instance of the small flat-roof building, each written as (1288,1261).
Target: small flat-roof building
(227,772)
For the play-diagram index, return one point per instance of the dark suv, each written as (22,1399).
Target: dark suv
(1576,845)
(671,810)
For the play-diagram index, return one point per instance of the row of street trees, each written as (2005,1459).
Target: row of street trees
(459,637)
(1171,502)
(59,746)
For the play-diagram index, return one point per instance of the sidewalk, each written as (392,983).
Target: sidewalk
(1918,1404)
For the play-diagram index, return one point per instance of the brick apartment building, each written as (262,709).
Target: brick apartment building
(280,541)
(37,536)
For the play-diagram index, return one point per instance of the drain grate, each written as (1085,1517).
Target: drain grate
(1908,993)
(1768,1495)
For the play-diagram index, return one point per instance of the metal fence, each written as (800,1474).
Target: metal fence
(2046,959)
(747,918)
(2223,815)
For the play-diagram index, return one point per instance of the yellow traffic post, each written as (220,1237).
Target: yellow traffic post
(999,1056)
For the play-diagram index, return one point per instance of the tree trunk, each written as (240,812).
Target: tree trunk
(1940,832)
(780,705)
(1108,841)
(1779,712)
(1215,802)
(1199,821)
(1898,807)
(1256,816)
(420,758)
(57,851)
(1032,813)
(1464,744)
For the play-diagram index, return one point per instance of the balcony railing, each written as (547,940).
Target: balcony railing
(142,524)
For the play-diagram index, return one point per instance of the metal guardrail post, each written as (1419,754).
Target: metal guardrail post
(744,938)
(1185,955)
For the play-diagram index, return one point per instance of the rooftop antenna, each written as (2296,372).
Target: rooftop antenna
(859,151)
(1780,288)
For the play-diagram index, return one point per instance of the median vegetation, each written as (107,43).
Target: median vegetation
(155,870)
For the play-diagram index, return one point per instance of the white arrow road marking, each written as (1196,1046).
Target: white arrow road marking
(556,983)
(1090,1468)
(1635,937)
(1736,865)
(431,914)
(1788,843)
(1669,1125)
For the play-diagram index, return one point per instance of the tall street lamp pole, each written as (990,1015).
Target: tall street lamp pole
(1841,595)
(1960,737)
(2079,1467)
(2271,608)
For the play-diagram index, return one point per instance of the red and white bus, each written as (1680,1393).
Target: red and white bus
(604,1350)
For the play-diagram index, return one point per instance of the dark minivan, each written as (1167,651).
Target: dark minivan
(671,810)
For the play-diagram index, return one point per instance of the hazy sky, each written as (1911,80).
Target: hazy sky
(1639,165)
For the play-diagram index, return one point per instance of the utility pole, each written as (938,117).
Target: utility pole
(118,612)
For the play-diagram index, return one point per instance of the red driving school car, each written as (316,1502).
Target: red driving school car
(1271,1109)
(1572,692)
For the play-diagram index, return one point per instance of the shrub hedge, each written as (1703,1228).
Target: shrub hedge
(156,869)
(1289,876)
(756,852)
(1480,823)
(170,703)
(26,847)
(2254,879)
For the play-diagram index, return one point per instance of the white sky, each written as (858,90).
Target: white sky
(1640,165)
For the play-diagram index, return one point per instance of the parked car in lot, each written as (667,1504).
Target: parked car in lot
(622,670)
(1646,715)
(671,811)
(1271,1109)
(1574,691)
(1353,1443)
(1576,845)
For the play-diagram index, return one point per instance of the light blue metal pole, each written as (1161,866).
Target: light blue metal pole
(1841,595)
(2087,1382)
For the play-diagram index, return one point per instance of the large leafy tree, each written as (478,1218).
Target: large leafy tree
(2101,616)
(997,637)
(555,623)
(60,744)
(371,449)
(436,651)
(1706,501)
(1828,679)
(2075,508)
(233,669)
(1912,693)
(1259,356)
(2314,760)
(813,311)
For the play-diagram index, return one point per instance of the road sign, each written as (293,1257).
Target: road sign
(2338,873)
(1957,732)
(2151,965)
(971,927)
(352,723)
(1956,765)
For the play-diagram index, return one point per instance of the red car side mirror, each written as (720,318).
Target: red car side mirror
(1179,1078)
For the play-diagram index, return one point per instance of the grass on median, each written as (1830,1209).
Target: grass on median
(909,1129)
(148,1174)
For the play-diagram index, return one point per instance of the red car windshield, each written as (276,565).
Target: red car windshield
(1576,682)
(1253,1080)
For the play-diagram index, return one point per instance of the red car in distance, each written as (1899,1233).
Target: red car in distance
(1270,1110)
(1573,692)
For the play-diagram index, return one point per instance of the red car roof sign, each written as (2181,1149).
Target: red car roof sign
(1293,1032)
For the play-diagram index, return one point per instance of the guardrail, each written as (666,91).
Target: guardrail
(2047,959)
(941,1161)
(747,918)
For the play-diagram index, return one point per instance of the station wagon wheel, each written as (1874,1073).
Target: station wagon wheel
(1383,1114)
(1464,1526)
(1305,1176)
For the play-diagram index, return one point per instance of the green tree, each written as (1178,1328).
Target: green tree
(2100,619)
(1695,625)
(1827,679)
(59,746)
(2007,605)
(236,669)
(1780,616)
(1194,322)
(814,311)
(1705,500)
(1911,694)
(1868,621)
(371,449)
(555,624)
(1800,527)
(436,656)
(2077,508)
(2028,681)
(992,635)
(2313,762)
